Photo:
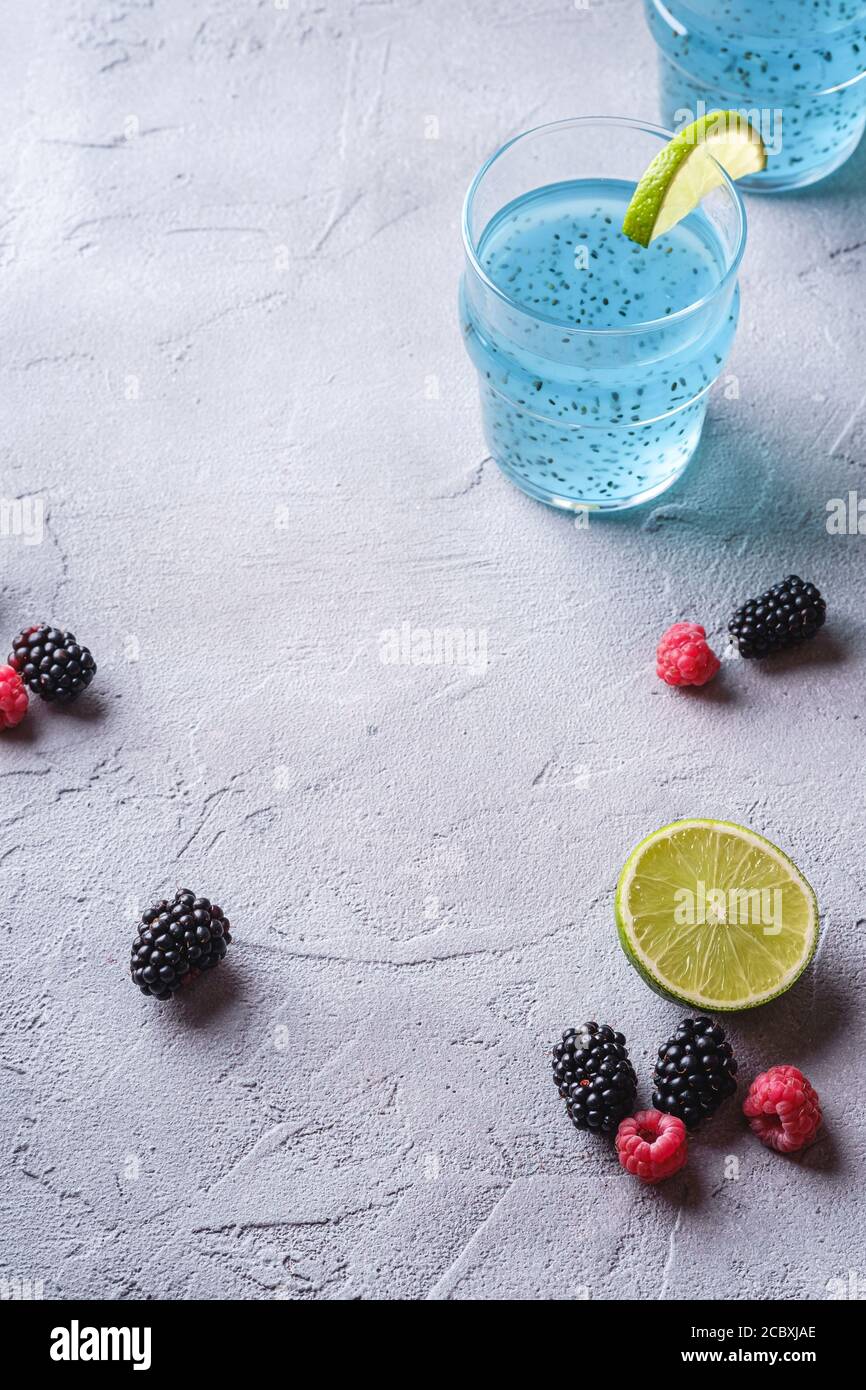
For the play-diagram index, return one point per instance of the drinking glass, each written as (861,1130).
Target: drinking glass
(797,68)
(594,355)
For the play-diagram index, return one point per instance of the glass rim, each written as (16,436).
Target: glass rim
(646,326)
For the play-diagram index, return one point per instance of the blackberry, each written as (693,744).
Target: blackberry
(593,1074)
(695,1071)
(789,613)
(52,663)
(176,941)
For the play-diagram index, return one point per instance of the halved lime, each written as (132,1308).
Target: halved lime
(715,916)
(687,169)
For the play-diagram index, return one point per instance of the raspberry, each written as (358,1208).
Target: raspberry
(683,656)
(651,1145)
(783,1109)
(13,698)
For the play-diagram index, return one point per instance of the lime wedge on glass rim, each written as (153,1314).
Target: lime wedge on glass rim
(688,168)
(715,916)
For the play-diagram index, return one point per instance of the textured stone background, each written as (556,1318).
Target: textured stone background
(231,367)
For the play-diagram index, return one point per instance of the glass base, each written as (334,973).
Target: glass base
(768,182)
(572,504)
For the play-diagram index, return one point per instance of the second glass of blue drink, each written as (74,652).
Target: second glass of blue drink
(798,67)
(594,355)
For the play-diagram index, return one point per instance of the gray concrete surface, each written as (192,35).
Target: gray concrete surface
(232,372)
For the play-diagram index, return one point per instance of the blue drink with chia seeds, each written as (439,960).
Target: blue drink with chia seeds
(594,355)
(797,66)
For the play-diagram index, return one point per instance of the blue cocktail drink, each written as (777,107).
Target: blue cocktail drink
(595,355)
(798,67)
